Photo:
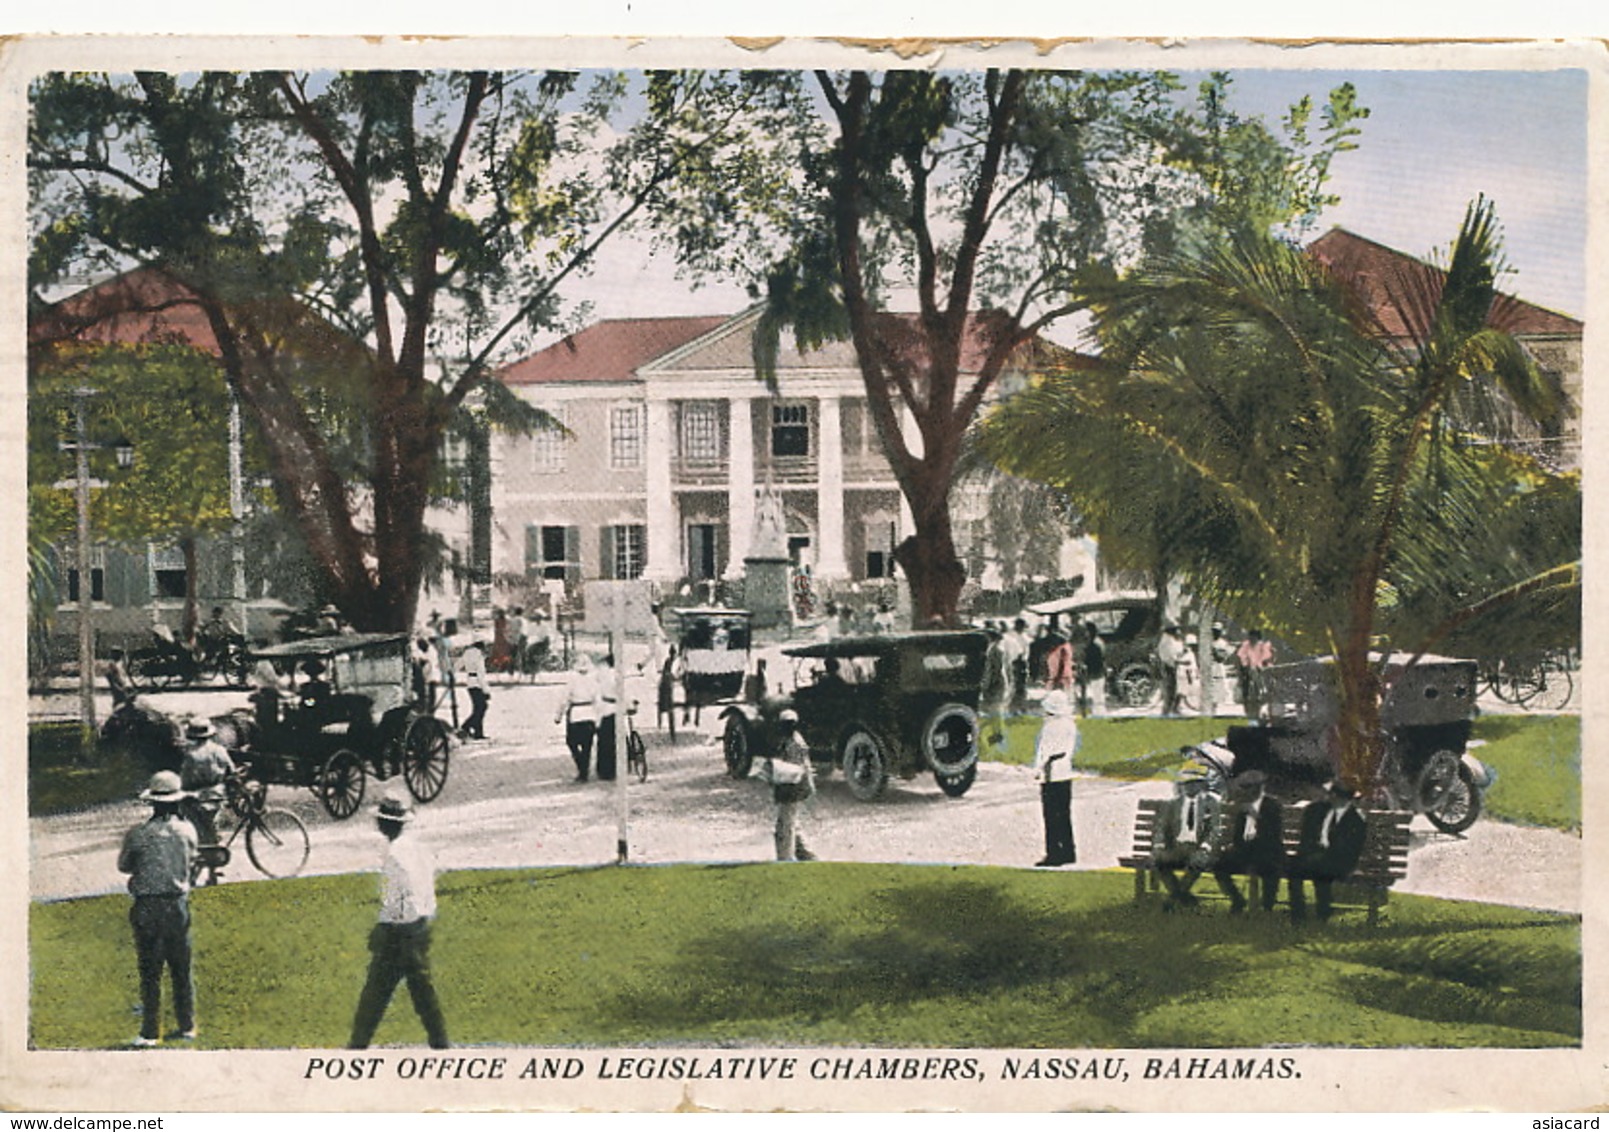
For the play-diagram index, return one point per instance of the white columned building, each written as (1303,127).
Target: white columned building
(830,563)
(664,538)
(740,484)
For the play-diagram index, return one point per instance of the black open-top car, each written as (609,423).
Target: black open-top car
(898,704)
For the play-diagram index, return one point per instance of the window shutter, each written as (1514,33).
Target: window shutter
(533,550)
(606,553)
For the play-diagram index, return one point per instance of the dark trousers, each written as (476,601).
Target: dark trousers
(475,725)
(1230,864)
(397,952)
(162,939)
(606,748)
(578,735)
(1323,890)
(1056,802)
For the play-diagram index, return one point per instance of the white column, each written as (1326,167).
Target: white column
(830,562)
(664,537)
(740,485)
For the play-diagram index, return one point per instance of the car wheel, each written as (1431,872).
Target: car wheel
(950,739)
(1136,686)
(735,746)
(865,765)
(1447,793)
(955,785)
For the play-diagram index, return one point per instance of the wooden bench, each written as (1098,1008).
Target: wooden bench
(1383,863)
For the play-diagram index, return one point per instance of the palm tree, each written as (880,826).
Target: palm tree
(1301,463)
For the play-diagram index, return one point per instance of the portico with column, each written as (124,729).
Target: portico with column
(830,562)
(664,525)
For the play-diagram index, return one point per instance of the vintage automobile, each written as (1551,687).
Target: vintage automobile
(1426,717)
(713,643)
(336,710)
(1130,624)
(879,706)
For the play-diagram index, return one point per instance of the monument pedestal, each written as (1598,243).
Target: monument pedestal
(765,591)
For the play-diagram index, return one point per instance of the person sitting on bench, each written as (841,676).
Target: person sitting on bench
(1251,841)
(1333,833)
(1185,830)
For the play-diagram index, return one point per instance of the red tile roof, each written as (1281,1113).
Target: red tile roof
(609,351)
(613,350)
(1381,272)
(139,307)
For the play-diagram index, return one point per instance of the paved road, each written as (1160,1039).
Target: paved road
(513,801)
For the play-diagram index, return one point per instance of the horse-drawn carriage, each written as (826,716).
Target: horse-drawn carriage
(713,644)
(330,711)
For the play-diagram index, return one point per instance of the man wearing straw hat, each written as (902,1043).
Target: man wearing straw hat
(158,855)
(399,945)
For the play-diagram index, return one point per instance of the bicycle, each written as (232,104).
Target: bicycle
(1540,683)
(276,840)
(636,749)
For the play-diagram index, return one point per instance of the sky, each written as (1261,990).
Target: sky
(1434,140)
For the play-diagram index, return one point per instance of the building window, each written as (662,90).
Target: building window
(624,551)
(790,430)
(625,436)
(97,576)
(553,552)
(547,446)
(168,575)
(701,432)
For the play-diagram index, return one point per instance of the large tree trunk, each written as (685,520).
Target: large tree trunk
(192,612)
(933,570)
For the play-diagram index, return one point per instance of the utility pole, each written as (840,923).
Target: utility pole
(86,631)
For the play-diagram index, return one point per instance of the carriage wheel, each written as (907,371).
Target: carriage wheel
(424,758)
(277,843)
(340,784)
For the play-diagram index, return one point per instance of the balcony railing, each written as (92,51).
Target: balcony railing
(699,473)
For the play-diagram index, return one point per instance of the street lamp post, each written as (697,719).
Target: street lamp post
(86,590)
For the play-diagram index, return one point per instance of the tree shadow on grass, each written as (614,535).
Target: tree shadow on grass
(919,948)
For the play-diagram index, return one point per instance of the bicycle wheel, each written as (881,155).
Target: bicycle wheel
(636,756)
(276,842)
(1519,683)
(1556,687)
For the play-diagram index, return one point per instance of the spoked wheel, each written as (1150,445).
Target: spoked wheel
(636,756)
(277,843)
(209,865)
(955,785)
(865,765)
(424,758)
(1446,793)
(1517,683)
(735,746)
(1555,688)
(340,784)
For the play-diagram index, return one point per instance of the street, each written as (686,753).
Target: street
(512,801)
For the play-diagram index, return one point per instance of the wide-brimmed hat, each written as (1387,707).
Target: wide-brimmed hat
(394,809)
(1191,772)
(200,729)
(164,787)
(1341,791)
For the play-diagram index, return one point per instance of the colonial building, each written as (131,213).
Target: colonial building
(1552,339)
(673,442)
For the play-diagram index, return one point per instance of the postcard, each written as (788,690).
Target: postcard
(801,575)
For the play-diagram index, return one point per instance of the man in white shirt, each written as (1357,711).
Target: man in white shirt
(473,666)
(399,946)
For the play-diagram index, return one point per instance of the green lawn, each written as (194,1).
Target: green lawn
(829,954)
(62,776)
